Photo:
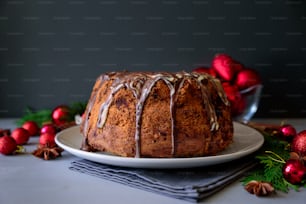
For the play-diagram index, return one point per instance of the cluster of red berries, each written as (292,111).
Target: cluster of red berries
(21,135)
(236,79)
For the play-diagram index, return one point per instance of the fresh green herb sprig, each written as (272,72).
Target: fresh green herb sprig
(271,158)
(45,115)
(40,117)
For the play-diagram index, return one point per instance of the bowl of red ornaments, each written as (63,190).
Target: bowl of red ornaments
(241,84)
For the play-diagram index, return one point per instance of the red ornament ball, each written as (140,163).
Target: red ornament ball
(294,171)
(223,65)
(298,143)
(47,139)
(60,115)
(32,127)
(7,145)
(247,78)
(20,135)
(287,131)
(48,128)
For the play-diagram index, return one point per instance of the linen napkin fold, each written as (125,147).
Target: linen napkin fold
(192,184)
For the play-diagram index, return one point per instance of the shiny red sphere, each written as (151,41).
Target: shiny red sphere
(20,135)
(294,171)
(298,143)
(223,65)
(47,139)
(247,78)
(288,131)
(48,128)
(60,115)
(32,127)
(7,145)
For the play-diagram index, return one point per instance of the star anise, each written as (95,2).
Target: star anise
(259,188)
(47,152)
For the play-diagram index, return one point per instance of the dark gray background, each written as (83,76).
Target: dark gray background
(51,51)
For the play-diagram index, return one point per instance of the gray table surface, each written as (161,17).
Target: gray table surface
(27,179)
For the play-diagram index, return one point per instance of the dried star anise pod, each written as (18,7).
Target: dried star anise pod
(259,188)
(47,152)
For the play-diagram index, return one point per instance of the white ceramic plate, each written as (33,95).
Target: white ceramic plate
(246,141)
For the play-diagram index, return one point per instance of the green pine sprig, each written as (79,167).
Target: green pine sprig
(45,115)
(40,116)
(271,158)
(76,108)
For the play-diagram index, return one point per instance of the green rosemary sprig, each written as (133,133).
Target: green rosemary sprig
(271,157)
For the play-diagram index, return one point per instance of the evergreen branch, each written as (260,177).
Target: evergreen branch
(45,115)
(39,117)
(272,157)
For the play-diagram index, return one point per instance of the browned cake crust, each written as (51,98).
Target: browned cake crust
(142,114)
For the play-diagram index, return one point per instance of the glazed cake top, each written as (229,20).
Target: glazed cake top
(141,83)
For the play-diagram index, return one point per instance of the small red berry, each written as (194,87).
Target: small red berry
(32,127)
(48,128)
(7,145)
(20,135)
(47,139)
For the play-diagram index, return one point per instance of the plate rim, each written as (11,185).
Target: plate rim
(157,163)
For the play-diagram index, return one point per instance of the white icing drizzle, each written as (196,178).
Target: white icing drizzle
(141,84)
(101,80)
(139,108)
(214,125)
(105,106)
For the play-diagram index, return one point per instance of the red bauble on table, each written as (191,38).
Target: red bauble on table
(294,171)
(7,145)
(60,115)
(32,127)
(48,128)
(47,139)
(287,131)
(298,143)
(20,135)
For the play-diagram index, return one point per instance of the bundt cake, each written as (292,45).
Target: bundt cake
(157,114)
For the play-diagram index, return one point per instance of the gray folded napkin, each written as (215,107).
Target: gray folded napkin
(191,184)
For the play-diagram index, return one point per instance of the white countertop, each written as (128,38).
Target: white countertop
(27,179)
